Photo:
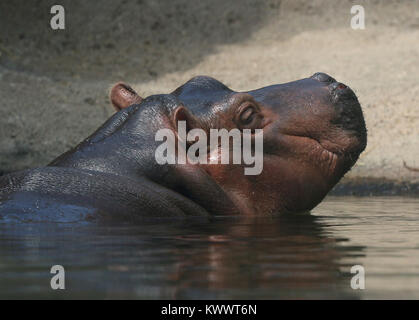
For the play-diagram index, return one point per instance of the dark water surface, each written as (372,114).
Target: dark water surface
(307,256)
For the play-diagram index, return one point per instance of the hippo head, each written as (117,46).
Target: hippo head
(313,133)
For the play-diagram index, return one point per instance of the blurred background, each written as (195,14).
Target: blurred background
(54,83)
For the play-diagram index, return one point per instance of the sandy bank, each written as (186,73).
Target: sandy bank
(54,86)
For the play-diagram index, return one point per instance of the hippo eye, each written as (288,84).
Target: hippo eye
(248,116)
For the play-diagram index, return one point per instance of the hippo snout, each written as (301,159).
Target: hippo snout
(335,88)
(347,110)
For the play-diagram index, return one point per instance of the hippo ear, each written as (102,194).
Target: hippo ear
(181,113)
(122,96)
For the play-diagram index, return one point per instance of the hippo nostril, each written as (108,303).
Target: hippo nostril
(323,77)
(336,86)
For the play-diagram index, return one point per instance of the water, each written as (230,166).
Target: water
(307,256)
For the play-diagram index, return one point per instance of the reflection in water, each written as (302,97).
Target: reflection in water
(287,257)
(306,256)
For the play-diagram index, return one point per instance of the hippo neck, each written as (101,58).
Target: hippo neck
(125,146)
(118,147)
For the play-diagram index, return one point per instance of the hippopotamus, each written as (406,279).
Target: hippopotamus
(313,133)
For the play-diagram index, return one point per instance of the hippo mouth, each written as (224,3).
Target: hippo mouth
(331,156)
(328,156)
(319,151)
(334,150)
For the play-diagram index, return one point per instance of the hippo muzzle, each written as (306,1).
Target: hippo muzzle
(317,125)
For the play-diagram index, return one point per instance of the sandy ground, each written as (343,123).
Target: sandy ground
(53,84)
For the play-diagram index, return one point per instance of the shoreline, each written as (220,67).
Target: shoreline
(372,187)
(364,187)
